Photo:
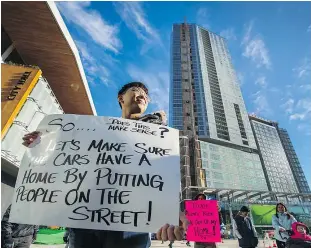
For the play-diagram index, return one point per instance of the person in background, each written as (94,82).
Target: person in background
(222,231)
(149,241)
(299,231)
(201,197)
(133,100)
(222,225)
(15,235)
(188,242)
(299,237)
(170,245)
(244,229)
(185,238)
(66,237)
(282,222)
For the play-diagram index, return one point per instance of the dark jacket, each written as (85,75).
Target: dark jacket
(66,235)
(298,240)
(297,243)
(12,230)
(83,238)
(249,238)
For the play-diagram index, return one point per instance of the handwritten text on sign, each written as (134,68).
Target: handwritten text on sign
(99,173)
(203,220)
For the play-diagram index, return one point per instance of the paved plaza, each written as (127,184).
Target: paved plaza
(178,244)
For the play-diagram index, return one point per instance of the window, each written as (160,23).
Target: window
(217,175)
(245,142)
(215,157)
(216,166)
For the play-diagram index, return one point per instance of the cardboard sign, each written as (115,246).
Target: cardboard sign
(203,220)
(99,173)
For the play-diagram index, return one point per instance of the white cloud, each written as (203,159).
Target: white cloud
(94,68)
(248,27)
(309,29)
(256,51)
(297,116)
(229,34)
(84,51)
(202,17)
(302,110)
(157,81)
(304,69)
(261,104)
(92,23)
(275,90)
(255,48)
(261,81)
(305,104)
(305,87)
(135,19)
(241,78)
(289,106)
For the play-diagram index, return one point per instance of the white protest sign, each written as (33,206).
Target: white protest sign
(99,173)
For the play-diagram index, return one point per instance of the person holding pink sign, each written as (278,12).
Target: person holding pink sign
(201,197)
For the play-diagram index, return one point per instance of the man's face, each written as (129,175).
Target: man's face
(135,100)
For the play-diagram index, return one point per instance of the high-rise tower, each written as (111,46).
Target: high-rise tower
(206,102)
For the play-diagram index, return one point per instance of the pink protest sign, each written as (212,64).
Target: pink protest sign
(203,220)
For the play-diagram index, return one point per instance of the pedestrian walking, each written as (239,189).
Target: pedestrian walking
(133,99)
(282,222)
(14,235)
(244,229)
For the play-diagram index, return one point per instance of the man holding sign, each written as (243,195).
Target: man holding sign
(133,99)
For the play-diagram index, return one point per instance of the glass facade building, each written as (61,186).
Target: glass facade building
(219,111)
(206,102)
(276,166)
(293,160)
(231,168)
(179,75)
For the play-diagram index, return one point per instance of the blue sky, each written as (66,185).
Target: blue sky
(270,45)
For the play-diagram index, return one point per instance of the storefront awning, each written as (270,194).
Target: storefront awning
(241,195)
(40,36)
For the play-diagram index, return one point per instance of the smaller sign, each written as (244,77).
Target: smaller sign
(203,220)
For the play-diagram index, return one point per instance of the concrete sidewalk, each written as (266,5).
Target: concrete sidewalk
(177,244)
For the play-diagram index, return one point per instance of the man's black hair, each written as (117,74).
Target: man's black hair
(130,85)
